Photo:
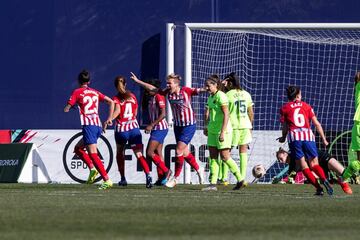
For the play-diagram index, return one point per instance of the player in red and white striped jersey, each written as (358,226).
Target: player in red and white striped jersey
(158,129)
(184,121)
(127,130)
(88,100)
(295,117)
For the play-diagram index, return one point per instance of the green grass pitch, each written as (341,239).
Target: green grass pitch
(30,211)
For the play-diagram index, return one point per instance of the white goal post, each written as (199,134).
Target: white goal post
(321,58)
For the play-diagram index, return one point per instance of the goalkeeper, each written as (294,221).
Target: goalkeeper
(326,161)
(354,166)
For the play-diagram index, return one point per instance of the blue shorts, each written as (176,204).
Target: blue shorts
(133,137)
(184,134)
(299,149)
(158,135)
(91,133)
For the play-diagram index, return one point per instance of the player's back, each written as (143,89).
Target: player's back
(88,102)
(239,102)
(156,104)
(298,115)
(126,120)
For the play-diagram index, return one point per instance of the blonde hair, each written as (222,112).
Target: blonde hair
(174,76)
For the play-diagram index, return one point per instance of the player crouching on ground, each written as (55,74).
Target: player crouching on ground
(219,131)
(326,161)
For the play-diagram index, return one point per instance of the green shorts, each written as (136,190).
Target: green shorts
(355,137)
(213,141)
(241,137)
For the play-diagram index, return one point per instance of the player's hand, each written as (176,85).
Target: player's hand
(67,108)
(221,137)
(105,124)
(134,77)
(325,142)
(148,129)
(281,139)
(205,131)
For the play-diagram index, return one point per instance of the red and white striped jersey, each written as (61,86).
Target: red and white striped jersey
(180,103)
(298,115)
(87,100)
(156,103)
(126,120)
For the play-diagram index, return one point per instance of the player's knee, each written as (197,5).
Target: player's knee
(150,153)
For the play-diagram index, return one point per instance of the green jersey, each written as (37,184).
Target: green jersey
(357,103)
(239,102)
(216,115)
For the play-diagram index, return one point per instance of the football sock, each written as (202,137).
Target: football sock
(178,165)
(234,169)
(160,173)
(319,171)
(220,175)
(84,156)
(144,164)
(225,171)
(243,164)
(99,166)
(157,160)
(121,165)
(190,159)
(310,176)
(214,170)
(353,168)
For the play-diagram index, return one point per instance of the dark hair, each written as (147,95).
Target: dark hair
(292,92)
(120,85)
(215,79)
(84,76)
(357,77)
(234,79)
(155,82)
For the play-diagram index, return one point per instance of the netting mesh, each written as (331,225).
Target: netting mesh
(321,62)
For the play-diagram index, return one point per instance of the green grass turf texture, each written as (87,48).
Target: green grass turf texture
(54,211)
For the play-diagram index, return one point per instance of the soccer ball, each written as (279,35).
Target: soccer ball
(258,171)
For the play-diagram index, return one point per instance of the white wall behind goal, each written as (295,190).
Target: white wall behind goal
(63,166)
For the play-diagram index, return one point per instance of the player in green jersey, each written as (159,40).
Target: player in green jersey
(354,166)
(219,132)
(241,117)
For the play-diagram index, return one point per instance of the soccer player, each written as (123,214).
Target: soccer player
(326,161)
(354,166)
(88,100)
(219,132)
(241,117)
(184,121)
(295,117)
(158,129)
(127,130)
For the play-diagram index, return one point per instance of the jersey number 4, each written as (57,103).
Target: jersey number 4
(128,111)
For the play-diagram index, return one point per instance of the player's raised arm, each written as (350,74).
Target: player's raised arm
(145,85)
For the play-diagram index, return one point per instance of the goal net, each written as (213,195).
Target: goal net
(321,60)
